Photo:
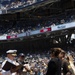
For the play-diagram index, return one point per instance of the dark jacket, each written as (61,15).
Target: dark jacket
(65,66)
(54,67)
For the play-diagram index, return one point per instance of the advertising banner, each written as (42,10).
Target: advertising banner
(63,26)
(45,30)
(12,37)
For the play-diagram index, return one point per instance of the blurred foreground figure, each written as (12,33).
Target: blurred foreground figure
(71,64)
(54,65)
(11,54)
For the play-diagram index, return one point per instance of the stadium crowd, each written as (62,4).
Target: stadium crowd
(38,62)
(31,24)
(17,3)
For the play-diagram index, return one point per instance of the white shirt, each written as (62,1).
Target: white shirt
(7,72)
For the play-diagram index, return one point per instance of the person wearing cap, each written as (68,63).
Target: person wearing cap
(11,54)
(21,61)
(21,58)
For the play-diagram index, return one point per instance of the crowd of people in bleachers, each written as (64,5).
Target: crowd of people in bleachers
(38,62)
(31,24)
(17,3)
(28,25)
(10,27)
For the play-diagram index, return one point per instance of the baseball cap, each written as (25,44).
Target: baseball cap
(22,54)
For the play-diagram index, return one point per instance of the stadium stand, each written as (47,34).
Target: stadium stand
(8,4)
(36,48)
(38,20)
(38,61)
(22,26)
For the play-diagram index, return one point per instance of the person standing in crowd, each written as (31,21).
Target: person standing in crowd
(10,58)
(26,67)
(54,65)
(71,64)
(21,58)
(65,63)
(65,68)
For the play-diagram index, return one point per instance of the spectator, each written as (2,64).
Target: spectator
(10,58)
(26,67)
(54,65)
